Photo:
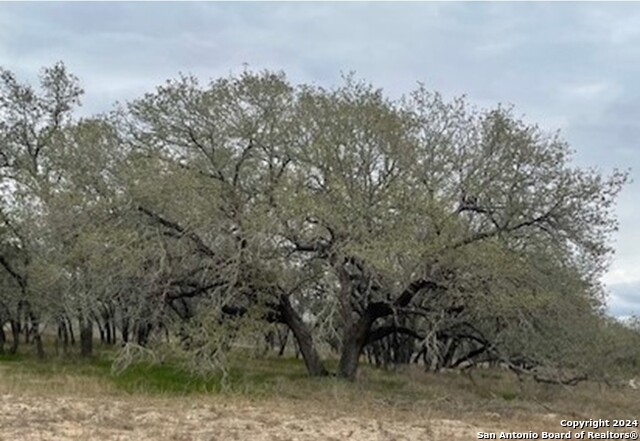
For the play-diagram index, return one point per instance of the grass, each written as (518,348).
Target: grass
(408,389)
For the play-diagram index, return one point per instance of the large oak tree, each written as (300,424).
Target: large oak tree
(416,227)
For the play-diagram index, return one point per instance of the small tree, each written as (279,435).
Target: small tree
(31,126)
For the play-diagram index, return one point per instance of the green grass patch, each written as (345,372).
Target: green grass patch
(163,379)
(7,358)
(244,375)
(264,378)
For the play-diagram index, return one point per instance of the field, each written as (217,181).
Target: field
(272,399)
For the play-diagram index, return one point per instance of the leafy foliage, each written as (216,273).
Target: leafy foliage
(199,216)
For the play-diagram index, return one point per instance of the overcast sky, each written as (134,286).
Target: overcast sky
(568,66)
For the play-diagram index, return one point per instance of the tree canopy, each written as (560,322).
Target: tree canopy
(417,229)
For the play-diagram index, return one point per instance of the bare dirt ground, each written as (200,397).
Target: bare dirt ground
(31,418)
(69,406)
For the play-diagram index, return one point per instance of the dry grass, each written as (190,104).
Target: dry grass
(274,400)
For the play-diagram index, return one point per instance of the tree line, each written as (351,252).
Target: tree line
(197,215)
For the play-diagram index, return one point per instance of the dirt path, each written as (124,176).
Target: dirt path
(31,418)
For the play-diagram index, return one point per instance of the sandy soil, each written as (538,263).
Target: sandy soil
(30,418)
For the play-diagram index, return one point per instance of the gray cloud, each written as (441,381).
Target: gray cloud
(624,299)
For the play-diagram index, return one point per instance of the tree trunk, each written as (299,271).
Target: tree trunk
(351,328)
(15,334)
(101,332)
(37,338)
(143,330)
(114,336)
(353,343)
(283,341)
(37,341)
(107,330)
(86,337)
(357,333)
(33,328)
(63,335)
(3,339)
(312,360)
(125,329)
(72,337)
(356,336)
(110,327)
